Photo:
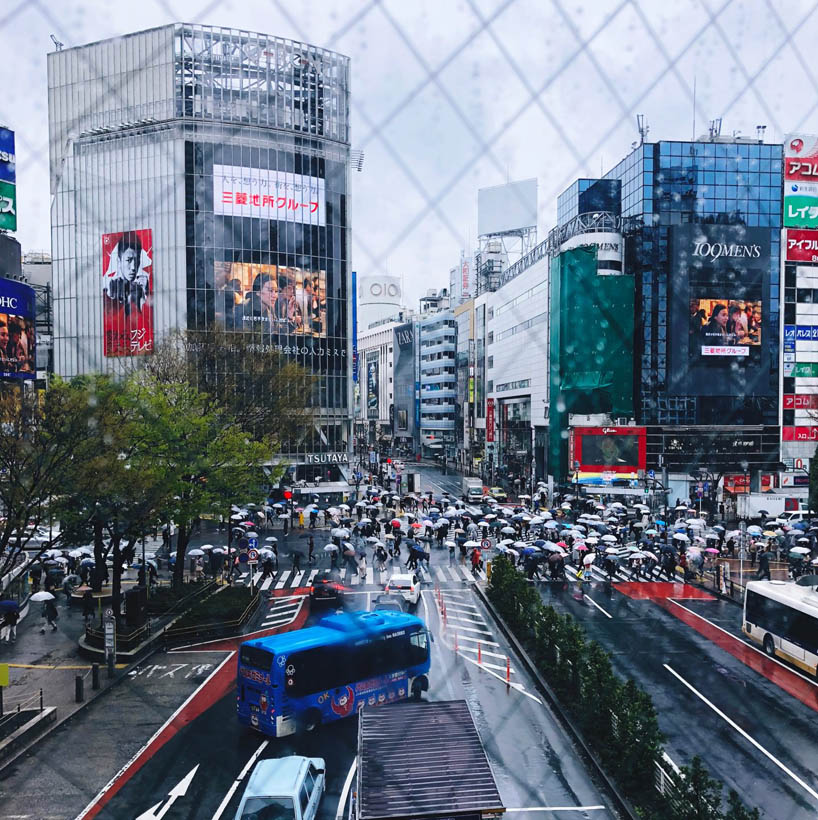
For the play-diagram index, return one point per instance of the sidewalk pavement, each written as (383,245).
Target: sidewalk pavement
(47,662)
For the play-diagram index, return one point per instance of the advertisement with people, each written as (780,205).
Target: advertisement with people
(721,326)
(17,335)
(719,341)
(127,287)
(609,449)
(272,299)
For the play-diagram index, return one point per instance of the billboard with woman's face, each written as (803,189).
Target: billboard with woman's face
(127,288)
(17,339)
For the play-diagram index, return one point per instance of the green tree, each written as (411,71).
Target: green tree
(736,810)
(45,440)
(599,694)
(699,795)
(199,457)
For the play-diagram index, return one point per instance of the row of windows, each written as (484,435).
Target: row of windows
(523,297)
(783,621)
(518,385)
(512,331)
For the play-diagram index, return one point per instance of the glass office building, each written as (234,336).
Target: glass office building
(200,179)
(704,238)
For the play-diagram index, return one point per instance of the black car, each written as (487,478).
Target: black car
(326,589)
(393,603)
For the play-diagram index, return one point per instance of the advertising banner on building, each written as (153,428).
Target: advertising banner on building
(8,206)
(127,287)
(609,449)
(17,335)
(261,194)
(807,401)
(801,181)
(737,484)
(719,280)
(489,421)
(403,373)
(271,299)
(805,433)
(806,370)
(354,329)
(8,171)
(372,384)
(801,246)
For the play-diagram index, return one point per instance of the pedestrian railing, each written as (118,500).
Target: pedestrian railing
(125,639)
(182,634)
(10,710)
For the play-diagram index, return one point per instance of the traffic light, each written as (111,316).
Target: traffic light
(288,494)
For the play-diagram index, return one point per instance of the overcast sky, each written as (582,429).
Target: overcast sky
(452,95)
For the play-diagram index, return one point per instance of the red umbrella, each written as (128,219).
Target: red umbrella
(580,547)
(416,526)
(561,544)
(395,522)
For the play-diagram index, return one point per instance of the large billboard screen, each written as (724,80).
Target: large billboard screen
(720,332)
(8,172)
(272,299)
(263,194)
(609,449)
(127,288)
(509,207)
(17,339)
(801,181)
(403,370)
(372,384)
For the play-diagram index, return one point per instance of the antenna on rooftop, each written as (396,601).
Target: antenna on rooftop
(57,43)
(643,128)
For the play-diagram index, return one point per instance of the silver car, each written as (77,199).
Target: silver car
(284,788)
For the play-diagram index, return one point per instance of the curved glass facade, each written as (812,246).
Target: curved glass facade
(200,180)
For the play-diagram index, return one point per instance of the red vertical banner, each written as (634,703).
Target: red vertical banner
(127,288)
(489,421)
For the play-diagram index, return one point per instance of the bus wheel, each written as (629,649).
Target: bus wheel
(418,687)
(311,720)
(769,646)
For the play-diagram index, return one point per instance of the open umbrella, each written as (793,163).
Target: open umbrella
(609,538)
(712,551)
(800,550)
(331,548)
(589,559)
(87,562)
(195,553)
(471,544)
(9,606)
(42,595)
(581,547)
(804,581)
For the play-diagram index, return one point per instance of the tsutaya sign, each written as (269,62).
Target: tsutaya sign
(327,458)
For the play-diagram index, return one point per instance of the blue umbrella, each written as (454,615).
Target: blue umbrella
(9,606)
(87,562)
(539,543)
(661,523)
(799,525)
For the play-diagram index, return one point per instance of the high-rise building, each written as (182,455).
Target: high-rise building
(701,223)
(438,383)
(200,179)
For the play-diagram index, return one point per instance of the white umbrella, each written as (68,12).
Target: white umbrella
(589,559)
(609,538)
(680,536)
(195,553)
(372,539)
(537,520)
(471,544)
(331,548)
(506,541)
(219,550)
(206,547)
(365,521)
(428,523)
(271,539)
(801,550)
(76,554)
(42,595)
(450,543)
(508,530)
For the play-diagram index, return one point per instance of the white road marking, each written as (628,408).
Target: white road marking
(472,629)
(807,788)
(746,643)
(312,575)
(440,574)
(283,579)
(513,684)
(266,583)
(232,790)
(460,603)
(453,608)
(279,622)
(482,641)
(370,576)
(153,737)
(342,800)
(483,652)
(559,808)
(470,621)
(592,601)
(452,593)
(296,581)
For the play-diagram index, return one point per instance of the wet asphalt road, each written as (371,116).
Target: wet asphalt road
(533,762)
(645,639)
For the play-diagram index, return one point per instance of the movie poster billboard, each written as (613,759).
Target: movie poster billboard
(372,380)
(127,290)
(17,334)
(271,299)
(720,331)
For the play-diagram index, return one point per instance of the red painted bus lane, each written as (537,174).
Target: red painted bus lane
(220,683)
(791,682)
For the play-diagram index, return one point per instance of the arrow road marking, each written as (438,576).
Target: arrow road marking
(179,790)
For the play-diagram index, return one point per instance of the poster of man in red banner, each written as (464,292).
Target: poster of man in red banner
(127,286)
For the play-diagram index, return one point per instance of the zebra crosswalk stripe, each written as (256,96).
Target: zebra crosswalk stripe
(283,579)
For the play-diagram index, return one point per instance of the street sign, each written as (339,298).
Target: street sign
(110,635)
(485,543)
(109,613)
(252,543)
(651,474)
(252,556)
(647,491)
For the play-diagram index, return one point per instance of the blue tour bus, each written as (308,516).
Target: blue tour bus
(299,680)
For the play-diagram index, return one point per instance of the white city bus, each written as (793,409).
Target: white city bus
(783,618)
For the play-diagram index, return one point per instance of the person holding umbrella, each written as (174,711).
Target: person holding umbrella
(49,611)
(764,565)
(88,605)
(11,615)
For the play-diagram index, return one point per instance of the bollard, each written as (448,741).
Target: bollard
(455,640)
(79,684)
(41,701)
(508,670)
(95,676)
(110,659)
(479,653)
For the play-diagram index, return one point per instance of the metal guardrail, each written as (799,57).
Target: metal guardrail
(215,628)
(30,702)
